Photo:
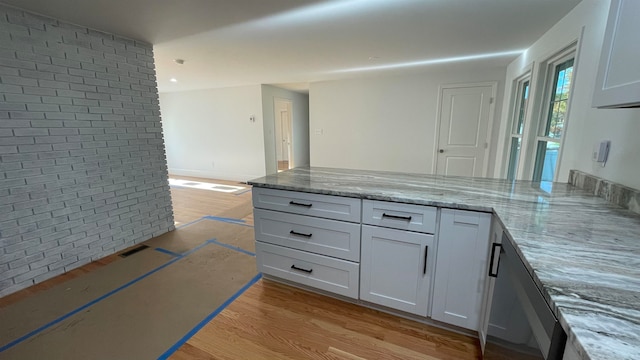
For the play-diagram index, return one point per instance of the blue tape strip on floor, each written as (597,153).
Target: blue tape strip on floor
(210,317)
(233,248)
(189,223)
(97,300)
(165,251)
(227,220)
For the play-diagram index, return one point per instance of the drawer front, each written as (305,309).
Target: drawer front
(321,236)
(400,216)
(325,206)
(322,272)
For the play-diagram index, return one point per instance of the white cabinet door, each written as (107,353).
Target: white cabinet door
(618,81)
(396,268)
(461,267)
(492,270)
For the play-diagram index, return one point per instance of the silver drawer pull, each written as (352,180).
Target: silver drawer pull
(301,269)
(396,217)
(300,204)
(300,234)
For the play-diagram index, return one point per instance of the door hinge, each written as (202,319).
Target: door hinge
(486,145)
(490,100)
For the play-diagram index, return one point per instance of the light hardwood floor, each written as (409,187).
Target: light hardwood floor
(274,321)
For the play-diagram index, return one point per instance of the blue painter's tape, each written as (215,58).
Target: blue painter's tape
(210,317)
(165,251)
(218,218)
(233,247)
(189,223)
(97,300)
(228,220)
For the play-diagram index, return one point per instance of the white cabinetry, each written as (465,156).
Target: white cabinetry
(618,81)
(310,239)
(570,353)
(396,268)
(461,266)
(396,264)
(494,261)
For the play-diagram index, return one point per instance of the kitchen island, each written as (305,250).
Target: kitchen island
(582,252)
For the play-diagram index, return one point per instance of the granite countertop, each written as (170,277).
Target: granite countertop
(582,251)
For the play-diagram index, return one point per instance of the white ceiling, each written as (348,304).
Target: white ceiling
(294,42)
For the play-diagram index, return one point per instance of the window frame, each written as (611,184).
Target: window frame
(538,134)
(518,107)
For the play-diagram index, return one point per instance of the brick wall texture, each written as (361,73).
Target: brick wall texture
(82,163)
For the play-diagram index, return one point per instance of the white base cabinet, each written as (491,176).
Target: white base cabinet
(461,266)
(490,281)
(396,268)
(381,252)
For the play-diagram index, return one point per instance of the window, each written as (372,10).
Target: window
(517,127)
(552,127)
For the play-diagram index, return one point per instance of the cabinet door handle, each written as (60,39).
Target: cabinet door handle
(300,234)
(397,217)
(426,253)
(494,261)
(301,269)
(299,204)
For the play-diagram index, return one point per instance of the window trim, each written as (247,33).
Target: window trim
(517,97)
(537,135)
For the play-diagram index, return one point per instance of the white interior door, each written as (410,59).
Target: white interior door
(283,134)
(463,139)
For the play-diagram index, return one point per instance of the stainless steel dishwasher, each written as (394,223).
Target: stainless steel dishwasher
(521,324)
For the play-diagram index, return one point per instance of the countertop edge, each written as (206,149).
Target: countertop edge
(571,336)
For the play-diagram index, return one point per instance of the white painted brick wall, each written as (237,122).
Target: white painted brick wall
(82,163)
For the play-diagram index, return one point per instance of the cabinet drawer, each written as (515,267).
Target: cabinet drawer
(325,206)
(322,272)
(321,236)
(399,216)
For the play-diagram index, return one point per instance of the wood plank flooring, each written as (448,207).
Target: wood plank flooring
(274,321)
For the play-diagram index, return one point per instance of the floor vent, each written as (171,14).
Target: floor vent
(133,251)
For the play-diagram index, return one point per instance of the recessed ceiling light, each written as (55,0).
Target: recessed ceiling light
(374,57)
(178,61)
(174,80)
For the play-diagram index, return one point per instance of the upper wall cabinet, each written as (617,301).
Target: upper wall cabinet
(618,82)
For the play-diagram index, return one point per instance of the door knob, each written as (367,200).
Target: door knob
(441,151)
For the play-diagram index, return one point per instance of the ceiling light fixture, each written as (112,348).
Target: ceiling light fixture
(173,80)
(432,61)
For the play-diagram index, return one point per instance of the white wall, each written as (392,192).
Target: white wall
(208,133)
(386,123)
(299,124)
(585,126)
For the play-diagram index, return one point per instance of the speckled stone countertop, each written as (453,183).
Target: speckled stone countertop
(582,251)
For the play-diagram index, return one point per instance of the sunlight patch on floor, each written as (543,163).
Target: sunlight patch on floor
(205,185)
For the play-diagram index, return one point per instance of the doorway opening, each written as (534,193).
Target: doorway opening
(283,109)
